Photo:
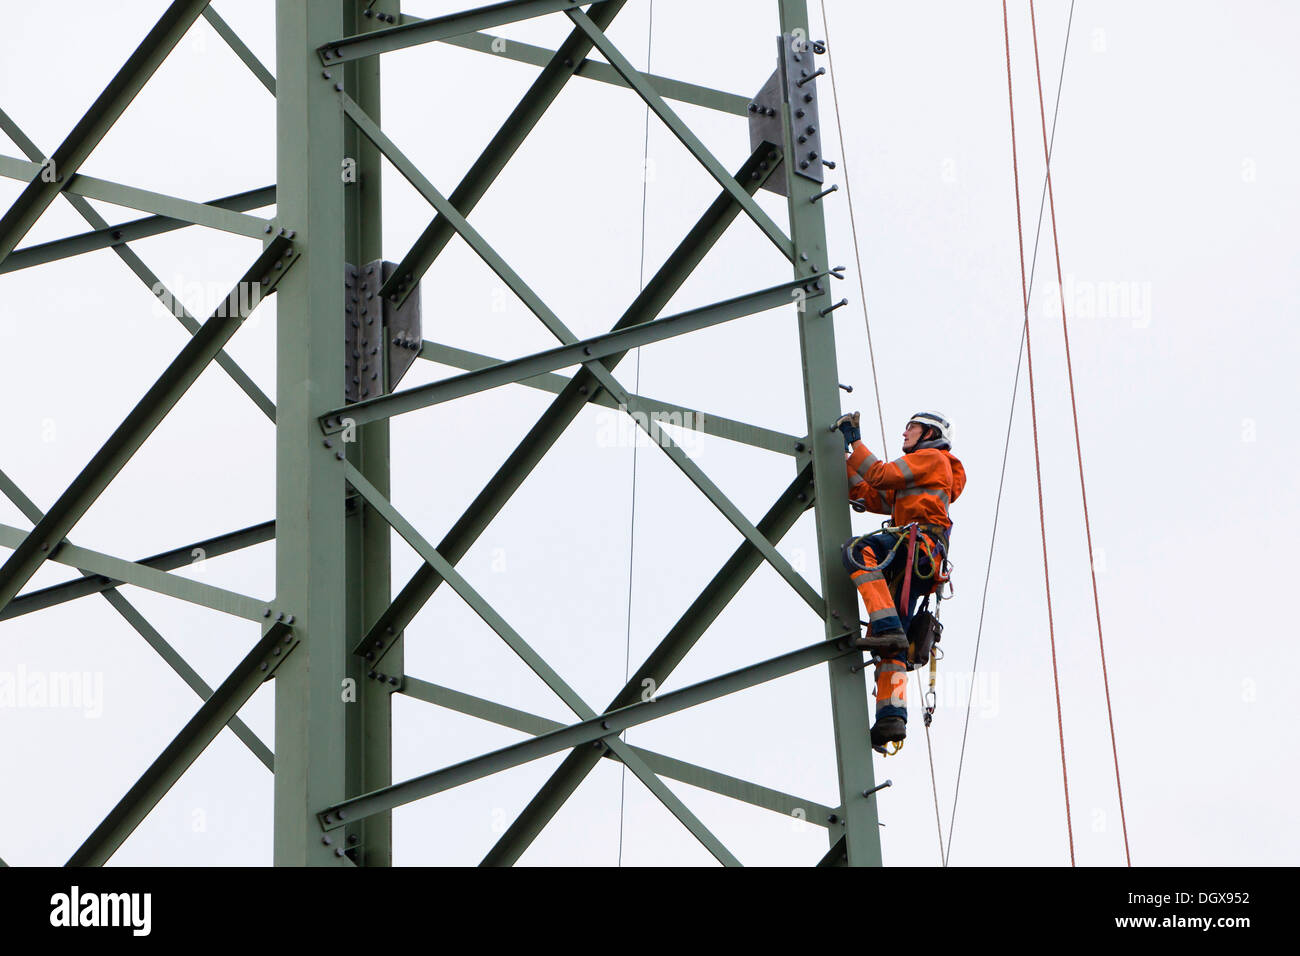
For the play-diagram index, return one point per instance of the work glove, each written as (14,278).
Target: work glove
(848,426)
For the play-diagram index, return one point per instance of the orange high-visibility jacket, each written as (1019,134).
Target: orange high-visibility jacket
(917,487)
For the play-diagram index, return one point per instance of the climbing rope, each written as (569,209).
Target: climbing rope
(1074,410)
(1006,447)
(853,223)
(1033,412)
(636,388)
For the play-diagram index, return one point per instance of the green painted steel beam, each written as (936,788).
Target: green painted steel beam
(140,422)
(850,701)
(534,661)
(113,235)
(665,86)
(132,616)
(532,106)
(682,132)
(96,122)
(159,204)
(55,594)
(705,422)
(492,498)
(257,666)
(657,667)
(143,273)
(240,49)
(439,28)
(722,784)
(368,743)
(311,555)
(579,352)
(128,572)
(605,726)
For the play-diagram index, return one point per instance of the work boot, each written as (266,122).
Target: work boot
(888,730)
(885,644)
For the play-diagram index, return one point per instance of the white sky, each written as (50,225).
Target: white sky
(1174,174)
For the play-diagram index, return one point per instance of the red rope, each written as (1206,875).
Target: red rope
(1078,445)
(1038,469)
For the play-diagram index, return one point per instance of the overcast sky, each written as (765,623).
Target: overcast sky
(1175,184)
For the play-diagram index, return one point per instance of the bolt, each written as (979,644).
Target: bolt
(799,113)
(393,681)
(325,839)
(798,446)
(325,73)
(338,851)
(267,230)
(339,454)
(266,613)
(352,838)
(339,87)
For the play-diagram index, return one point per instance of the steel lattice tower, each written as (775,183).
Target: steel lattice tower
(348,327)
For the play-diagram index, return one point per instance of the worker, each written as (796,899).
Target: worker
(916,488)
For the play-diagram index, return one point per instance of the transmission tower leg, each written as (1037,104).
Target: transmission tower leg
(858,825)
(370,718)
(311,553)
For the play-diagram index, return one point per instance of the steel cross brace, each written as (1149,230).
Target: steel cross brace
(257,666)
(720,783)
(240,48)
(606,726)
(144,274)
(140,422)
(160,204)
(657,667)
(578,352)
(648,303)
(96,122)
(439,28)
(112,235)
(132,616)
(530,657)
(666,86)
(473,186)
(38,600)
(717,425)
(682,132)
(594,366)
(129,572)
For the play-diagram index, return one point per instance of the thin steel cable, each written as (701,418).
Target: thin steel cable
(1078,444)
(1033,413)
(1020,350)
(853,225)
(636,388)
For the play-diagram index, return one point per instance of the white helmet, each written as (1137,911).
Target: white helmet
(937,422)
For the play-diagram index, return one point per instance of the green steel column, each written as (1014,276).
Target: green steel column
(369,549)
(311,570)
(849,702)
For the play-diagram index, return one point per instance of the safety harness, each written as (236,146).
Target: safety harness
(923,628)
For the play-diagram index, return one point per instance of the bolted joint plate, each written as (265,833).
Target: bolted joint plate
(382,340)
(798,65)
(765,127)
(782,94)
